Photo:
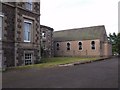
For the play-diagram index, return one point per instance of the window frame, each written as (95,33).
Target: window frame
(57,46)
(81,45)
(92,45)
(29,58)
(28,22)
(69,46)
(43,34)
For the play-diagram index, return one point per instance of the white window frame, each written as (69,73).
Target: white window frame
(1,28)
(27,21)
(1,15)
(94,44)
(82,45)
(43,34)
(67,46)
(29,58)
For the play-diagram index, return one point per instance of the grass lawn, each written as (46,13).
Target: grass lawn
(55,61)
(63,60)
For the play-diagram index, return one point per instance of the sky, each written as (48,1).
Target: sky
(68,14)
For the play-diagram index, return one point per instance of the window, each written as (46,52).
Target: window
(28,58)
(28,5)
(58,46)
(0,27)
(68,46)
(27,31)
(80,45)
(93,45)
(43,34)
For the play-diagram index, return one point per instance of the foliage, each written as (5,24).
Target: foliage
(115,41)
(118,43)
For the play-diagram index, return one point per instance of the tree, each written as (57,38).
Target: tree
(118,43)
(115,41)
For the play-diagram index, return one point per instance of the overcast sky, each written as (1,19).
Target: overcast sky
(68,14)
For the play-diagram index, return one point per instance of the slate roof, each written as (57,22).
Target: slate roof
(87,33)
(49,28)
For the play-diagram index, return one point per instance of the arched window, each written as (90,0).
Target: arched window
(80,45)
(68,46)
(43,34)
(93,45)
(58,46)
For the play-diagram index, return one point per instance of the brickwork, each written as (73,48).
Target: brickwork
(86,49)
(85,36)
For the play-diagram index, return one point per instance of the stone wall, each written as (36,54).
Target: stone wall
(20,45)
(8,34)
(1,55)
(13,43)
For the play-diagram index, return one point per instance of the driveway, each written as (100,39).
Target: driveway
(100,74)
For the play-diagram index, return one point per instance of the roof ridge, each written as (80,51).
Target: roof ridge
(44,26)
(80,28)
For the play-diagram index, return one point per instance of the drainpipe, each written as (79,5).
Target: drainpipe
(40,37)
(40,45)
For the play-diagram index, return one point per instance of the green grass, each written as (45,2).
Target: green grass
(55,61)
(64,60)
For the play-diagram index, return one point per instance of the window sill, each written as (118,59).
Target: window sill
(26,41)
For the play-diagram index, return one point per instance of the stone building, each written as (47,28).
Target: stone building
(46,41)
(19,33)
(86,42)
